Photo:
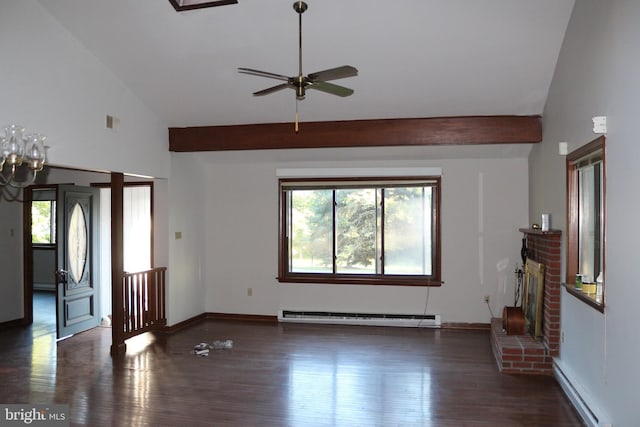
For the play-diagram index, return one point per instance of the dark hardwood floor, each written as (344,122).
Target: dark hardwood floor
(278,375)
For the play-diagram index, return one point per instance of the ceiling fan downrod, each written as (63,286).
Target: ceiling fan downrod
(300,7)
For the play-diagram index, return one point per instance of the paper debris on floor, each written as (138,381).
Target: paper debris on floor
(203,348)
(223,344)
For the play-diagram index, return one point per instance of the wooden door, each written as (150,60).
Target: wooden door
(77,260)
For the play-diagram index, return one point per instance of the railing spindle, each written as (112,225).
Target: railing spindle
(144,301)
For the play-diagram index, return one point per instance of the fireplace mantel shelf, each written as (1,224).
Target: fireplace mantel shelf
(539,232)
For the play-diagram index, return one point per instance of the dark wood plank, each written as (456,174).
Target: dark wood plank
(27,256)
(117,263)
(360,133)
(191,5)
(280,375)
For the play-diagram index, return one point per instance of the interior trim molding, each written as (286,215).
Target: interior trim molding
(467,326)
(184,324)
(12,323)
(274,319)
(242,317)
(469,130)
(217,316)
(356,172)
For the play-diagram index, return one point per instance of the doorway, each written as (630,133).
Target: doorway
(43,240)
(61,256)
(40,252)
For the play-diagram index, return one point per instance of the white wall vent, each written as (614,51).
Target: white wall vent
(371,319)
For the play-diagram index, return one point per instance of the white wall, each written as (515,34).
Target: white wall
(11,302)
(51,84)
(187,192)
(484,202)
(44,267)
(597,74)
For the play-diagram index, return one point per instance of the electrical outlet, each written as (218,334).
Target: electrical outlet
(562,336)
(486,299)
(249,292)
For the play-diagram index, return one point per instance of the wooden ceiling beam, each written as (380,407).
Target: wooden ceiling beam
(181,6)
(470,130)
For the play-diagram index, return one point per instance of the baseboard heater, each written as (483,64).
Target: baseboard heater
(592,417)
(371,319)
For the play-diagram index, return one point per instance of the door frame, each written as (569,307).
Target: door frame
(27,256)
(27,247)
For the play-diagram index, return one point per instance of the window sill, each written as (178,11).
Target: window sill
(589,299)
(359,280)
(43,245)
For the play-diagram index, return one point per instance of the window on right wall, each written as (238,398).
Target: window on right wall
(586,223)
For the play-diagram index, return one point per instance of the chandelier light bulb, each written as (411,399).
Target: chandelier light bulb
(16,149)
(35,152)
(13,149)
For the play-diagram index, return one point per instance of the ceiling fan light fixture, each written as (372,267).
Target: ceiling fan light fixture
(301,82)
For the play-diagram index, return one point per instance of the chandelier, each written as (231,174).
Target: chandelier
(18,150)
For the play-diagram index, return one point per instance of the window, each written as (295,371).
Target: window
(137,231)
(586,227)
(137,199)
(43,221)
(360,231)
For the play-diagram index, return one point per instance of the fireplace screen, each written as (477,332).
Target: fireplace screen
(533,297)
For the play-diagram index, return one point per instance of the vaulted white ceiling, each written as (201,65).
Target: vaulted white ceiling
(416,58)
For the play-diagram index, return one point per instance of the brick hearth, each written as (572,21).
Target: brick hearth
(521,353)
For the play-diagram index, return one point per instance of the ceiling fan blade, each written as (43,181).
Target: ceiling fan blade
(331,88)
(262,74)
(333,73)
(271,89)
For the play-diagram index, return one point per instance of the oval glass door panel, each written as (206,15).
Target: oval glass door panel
(77,243)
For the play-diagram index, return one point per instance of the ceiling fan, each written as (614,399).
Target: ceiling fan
(301,83)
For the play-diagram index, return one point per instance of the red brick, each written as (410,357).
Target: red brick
(552,291)
(522,365)
(512,357)
(538,359)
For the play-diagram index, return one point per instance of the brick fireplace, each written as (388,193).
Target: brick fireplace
(522,354)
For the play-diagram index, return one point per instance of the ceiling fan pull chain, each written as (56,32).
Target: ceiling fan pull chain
(296,127)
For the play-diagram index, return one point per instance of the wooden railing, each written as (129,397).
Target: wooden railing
(143,295)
